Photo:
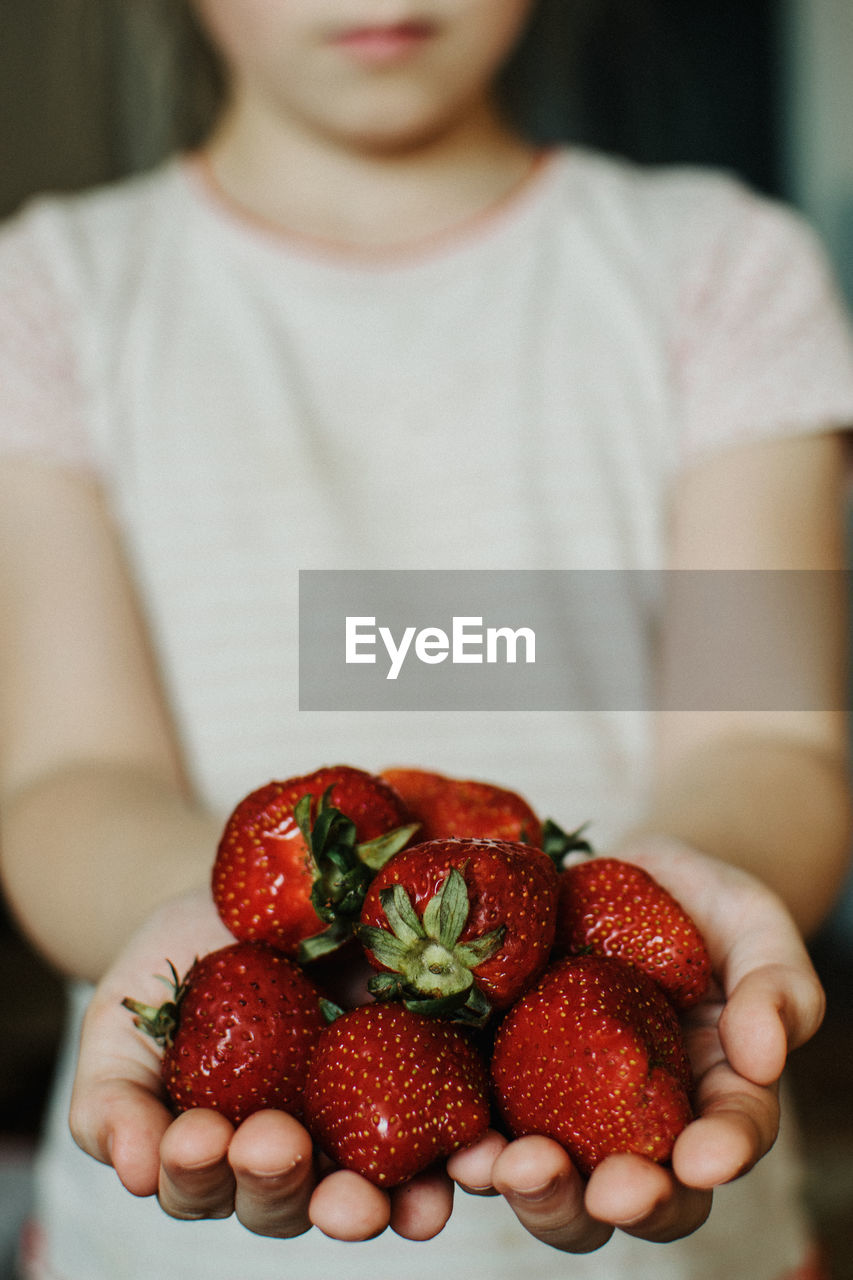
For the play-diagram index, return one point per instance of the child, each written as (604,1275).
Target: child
(368,325)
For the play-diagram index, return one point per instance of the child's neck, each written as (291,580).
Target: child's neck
(361,198)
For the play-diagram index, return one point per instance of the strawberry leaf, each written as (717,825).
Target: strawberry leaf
(375,853)
(431,970)
(342,869)
(446,913)
(339,893)
(479,949)
(476,1010)
(322,944)
(468,1007)
(401,915)
(389,950)
(440,1006)
(386,986)
(557,843)
(332,830)
(330,1011)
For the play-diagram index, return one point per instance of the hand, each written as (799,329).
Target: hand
(265,1171)
(198,1164)
(769,1001)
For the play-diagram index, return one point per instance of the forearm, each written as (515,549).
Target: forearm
(89,852)
(776,807)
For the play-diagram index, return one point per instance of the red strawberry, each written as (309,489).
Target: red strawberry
(238,1032)
(389,1092)
(463,925)
(593,1057)
(279,879)
(615,908)
(445,807)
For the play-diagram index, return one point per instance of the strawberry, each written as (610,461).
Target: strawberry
(593,1057)
(460,926)
(390,1091)
(298,886)
(237,1033)
(444,806)
(614,908)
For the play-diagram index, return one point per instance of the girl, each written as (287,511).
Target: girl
(369,325)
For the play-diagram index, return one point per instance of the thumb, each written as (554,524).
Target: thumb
(772,1010)
(120,1123)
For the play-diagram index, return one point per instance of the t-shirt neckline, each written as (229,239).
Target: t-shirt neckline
(446,244)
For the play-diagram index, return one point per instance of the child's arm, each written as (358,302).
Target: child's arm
(98,825)
(767,790)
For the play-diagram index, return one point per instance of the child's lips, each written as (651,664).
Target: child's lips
(388,43)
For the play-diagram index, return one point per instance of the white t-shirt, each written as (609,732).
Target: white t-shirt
(520,394)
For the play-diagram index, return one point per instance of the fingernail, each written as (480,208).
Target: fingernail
(201,1166)
(270,1177)
(542,1192)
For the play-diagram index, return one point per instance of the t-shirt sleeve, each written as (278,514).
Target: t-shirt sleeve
(763,346)
(43,403)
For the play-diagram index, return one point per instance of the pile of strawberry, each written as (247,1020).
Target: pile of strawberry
(510,986)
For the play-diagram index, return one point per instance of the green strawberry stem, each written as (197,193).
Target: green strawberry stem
(557,843)
(159,1022)
(343,869)
(429,969)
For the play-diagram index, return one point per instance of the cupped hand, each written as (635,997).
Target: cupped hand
(199,1166)
(766,1001)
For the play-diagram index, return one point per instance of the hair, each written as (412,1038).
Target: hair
(198,76)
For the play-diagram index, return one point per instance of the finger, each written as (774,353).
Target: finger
(471,1168)
(645,1200)
(421,1208)
(195,1178)
(121,1123)
(737,1125)
(272,1161)
(346,1206)
(546,1193)
(772,1010)
(737,1119)
(774,999)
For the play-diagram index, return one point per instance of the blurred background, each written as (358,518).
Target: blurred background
(91,90)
